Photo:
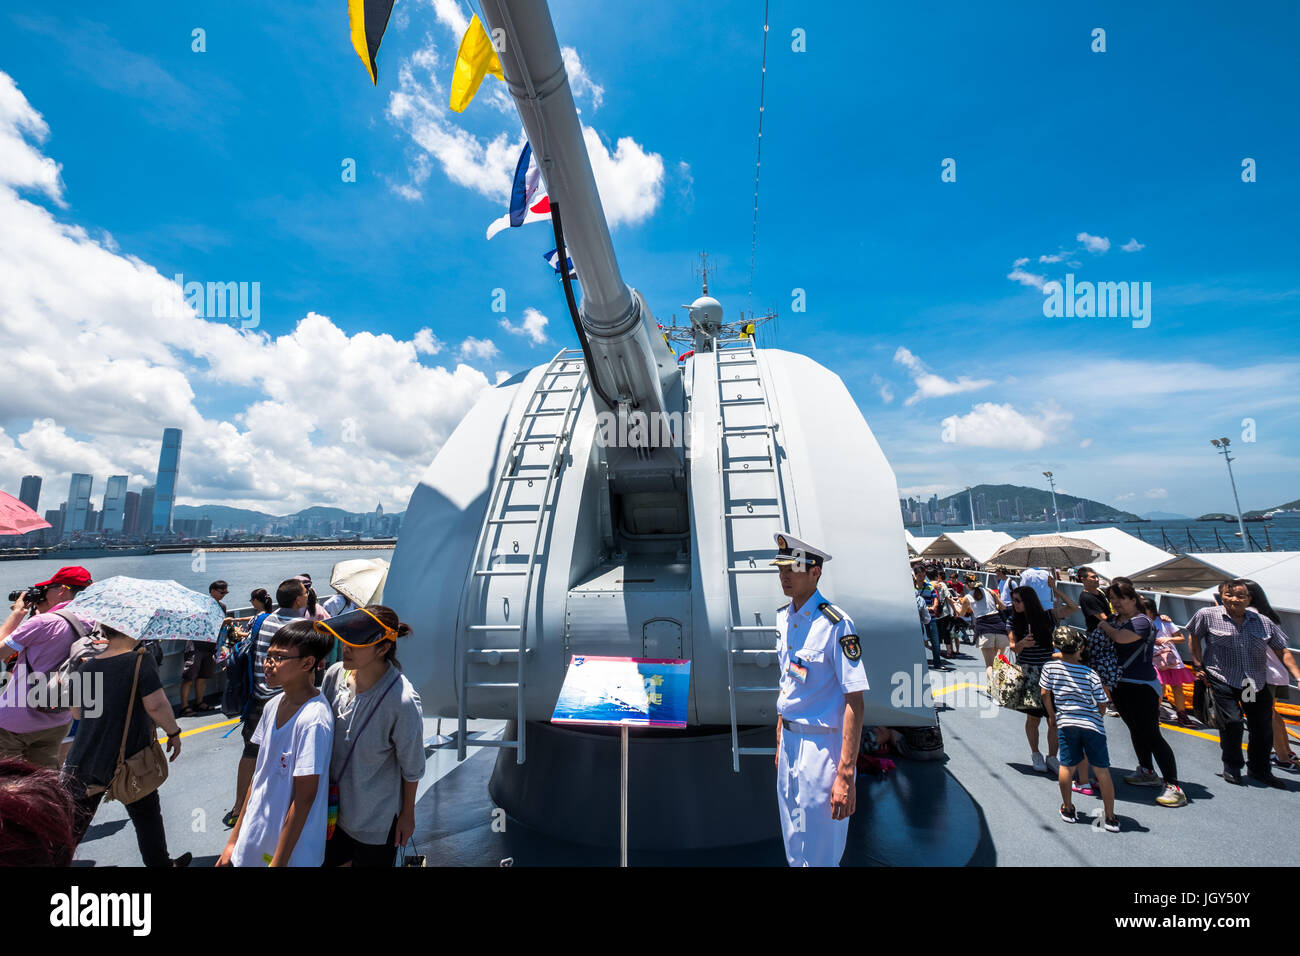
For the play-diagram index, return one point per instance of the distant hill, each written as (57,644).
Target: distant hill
(1289,506)
(1166,516)
(224,517)
(1032,503)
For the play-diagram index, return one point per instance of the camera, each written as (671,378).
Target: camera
(31,596)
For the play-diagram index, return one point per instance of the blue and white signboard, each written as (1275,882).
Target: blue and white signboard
(624,691)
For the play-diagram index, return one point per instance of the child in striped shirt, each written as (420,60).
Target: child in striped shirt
(1074,697)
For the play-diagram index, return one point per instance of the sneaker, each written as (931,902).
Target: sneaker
(230,819)
(1085,789)
(1040,764)
(1112,713)
(1172,797)
(1111,824)
(1144,778)
(1068,814)
(1053,765)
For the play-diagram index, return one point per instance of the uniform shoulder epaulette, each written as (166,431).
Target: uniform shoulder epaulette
(783,607)
(833,614)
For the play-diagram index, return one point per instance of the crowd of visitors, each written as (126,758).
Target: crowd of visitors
(331,757)
(1124,662)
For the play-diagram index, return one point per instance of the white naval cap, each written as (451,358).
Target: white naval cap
(790,550)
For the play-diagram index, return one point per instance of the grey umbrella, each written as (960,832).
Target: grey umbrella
(1048,551)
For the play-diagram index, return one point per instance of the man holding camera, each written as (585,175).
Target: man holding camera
(43,643)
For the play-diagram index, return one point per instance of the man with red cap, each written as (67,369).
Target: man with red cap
(43,643)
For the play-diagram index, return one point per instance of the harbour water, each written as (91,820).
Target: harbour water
(242,570)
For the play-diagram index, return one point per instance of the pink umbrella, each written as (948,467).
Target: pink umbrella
(17,518)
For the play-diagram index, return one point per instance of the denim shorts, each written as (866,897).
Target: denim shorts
(1075,743)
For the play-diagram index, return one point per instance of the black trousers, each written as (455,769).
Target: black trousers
(945,628)
(1139,708)
(342,848)
(1235,715)
(145,814)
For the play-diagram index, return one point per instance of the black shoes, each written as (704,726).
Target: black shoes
(1230,775)
(183,860)
(1269,780)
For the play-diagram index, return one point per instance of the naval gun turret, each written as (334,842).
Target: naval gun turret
(617,502)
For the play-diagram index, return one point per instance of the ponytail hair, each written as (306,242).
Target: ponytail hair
(389,617)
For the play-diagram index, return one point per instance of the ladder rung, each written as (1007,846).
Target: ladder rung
(738,362)
(497,684)
(765,751)
(517,574)
(755,627)
(747,514)
(747,378)
(545,440)
(753,570)
(514,520)
(567,372)
(526,477)
(745,429)
(546,411)
(757,690)
(493,627)
(747,471)
(495,743)
(753,650)
(552,391)
(743,401)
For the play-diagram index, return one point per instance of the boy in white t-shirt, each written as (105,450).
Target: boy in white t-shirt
(283,819)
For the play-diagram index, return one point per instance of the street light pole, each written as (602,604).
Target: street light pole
(1222,444)
(1055,511)
(971,502)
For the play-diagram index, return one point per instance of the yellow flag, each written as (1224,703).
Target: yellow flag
(474,60)
(368,19)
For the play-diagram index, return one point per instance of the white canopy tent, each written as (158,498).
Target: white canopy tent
(1200,573)
(1128,553)
(979,545)
(916,545)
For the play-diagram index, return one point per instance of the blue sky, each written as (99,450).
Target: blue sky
(375,295)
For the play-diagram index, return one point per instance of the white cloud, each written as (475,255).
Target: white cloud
(1132,246)
(121,370)
(1086,443)
(1056,258)
(990,425)
(1156,493)
(478,348)
(533,326)
(929,385)
(1030,279)
(886,390)
(580,80)
(1125,497)
(1094,243)
(426,343)
(21,165)
(451,14)
(630,179)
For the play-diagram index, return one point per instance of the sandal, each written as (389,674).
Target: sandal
(186,712)
(205,708)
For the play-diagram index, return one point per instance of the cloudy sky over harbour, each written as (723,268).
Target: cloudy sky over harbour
(128,158)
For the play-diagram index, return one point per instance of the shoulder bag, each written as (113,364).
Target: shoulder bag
(144,771)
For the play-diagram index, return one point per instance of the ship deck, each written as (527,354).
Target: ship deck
(983,805)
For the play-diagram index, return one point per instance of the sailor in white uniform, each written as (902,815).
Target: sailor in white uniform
(820,708)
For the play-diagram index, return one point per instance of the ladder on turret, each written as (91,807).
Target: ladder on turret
(506,554)
(752,511)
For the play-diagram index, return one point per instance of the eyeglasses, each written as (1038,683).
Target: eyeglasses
(281,658)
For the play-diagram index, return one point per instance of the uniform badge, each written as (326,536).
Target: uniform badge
(852,649)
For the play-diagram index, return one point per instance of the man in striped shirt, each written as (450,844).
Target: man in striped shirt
(1075,699)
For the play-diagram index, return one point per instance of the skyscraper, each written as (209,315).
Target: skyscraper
(30,493)
(131,513)
(144,524)
(169,461)
(78,503)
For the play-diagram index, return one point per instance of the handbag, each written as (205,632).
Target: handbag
(1008,682)
(145,770)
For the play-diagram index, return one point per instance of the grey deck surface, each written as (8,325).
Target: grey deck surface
(983,805)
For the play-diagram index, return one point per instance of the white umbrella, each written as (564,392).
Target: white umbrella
(361,580)
(1048,551)
(151,610)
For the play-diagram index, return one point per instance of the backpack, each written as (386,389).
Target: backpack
(239,673)
(59,681)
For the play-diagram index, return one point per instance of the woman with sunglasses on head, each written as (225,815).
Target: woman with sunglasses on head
(1139,692)
(378,755)
(1031,641)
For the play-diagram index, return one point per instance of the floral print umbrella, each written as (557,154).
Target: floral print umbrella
(151,610)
